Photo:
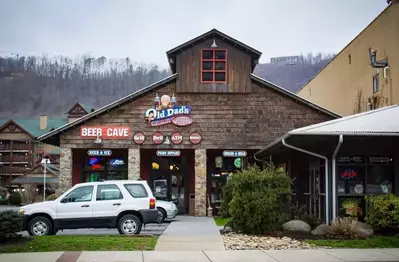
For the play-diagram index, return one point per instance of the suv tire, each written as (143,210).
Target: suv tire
(40,226)
(129,225)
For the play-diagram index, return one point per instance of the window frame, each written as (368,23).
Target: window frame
(113,185)
(63,200)
(376,83)
(133,184)
(214,61)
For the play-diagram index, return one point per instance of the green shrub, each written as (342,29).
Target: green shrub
(227,196)
(345,228)
(299,212)
(10,224)
(51,197)
(15,199)
(382,211)
(258,199)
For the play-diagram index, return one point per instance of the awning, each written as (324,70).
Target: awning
(35,180)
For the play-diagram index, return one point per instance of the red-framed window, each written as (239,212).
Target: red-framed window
(214,66)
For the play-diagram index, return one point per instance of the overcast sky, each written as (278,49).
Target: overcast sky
(144,30)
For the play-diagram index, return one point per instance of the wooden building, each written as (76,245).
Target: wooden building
(186,133)
(19,149)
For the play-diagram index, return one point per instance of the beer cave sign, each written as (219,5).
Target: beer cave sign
(166,111)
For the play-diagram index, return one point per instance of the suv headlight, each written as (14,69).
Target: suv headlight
(21,211)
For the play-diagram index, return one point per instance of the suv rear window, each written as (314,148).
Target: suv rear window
(136,190)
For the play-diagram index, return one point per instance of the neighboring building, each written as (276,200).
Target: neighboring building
(188,132)
(349,83)
(19,149)
(352,157)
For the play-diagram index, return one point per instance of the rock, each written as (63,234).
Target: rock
(297,226)
(365,229)
(321,230)
(227,229)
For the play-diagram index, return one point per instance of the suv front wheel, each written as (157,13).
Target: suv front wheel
(129,225)
(40,226)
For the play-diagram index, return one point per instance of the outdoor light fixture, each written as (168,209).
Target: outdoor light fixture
(214,45)
(98,140)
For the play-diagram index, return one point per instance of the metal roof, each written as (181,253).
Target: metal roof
(108,107)
(375,122)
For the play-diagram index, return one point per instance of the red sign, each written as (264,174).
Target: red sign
(105,132)
(176,138)
(139,138)
(157,138)
(182,120)
(195,138)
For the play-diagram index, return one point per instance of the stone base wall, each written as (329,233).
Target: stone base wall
(200,182)
(65,177)
(133,164)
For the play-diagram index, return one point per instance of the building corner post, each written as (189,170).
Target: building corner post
(65,177)
(133,164)
(200,182)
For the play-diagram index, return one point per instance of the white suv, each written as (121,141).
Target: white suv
(123,204)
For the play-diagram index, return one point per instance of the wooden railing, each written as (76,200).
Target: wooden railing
(13,170)
(15,146)
(7,158)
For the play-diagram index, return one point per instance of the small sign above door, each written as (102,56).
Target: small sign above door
(139,138)
(170,153)
(231,153)
(157,138)
(99,152)
(176,138)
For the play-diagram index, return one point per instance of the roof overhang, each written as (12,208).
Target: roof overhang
(171,54)
(53,138)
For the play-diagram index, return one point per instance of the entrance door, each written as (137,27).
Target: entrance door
(169,180)
(315,191)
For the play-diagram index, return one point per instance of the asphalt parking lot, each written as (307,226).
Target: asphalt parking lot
(150,229)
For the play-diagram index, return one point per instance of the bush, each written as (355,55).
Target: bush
(299,212)
(10,224)
(227,196)
(382,211)
(345,228)
(15,199)
(258,199)
(51,197)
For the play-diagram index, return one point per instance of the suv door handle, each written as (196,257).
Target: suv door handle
(117,204)
(85,206)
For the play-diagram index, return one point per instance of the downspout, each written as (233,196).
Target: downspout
(326,172)
(334,177)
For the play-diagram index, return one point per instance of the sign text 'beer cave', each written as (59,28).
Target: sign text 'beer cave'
(166,111)
(105,132)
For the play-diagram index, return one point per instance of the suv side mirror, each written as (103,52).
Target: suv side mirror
(64,200)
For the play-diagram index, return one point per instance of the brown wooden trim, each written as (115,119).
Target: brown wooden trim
(13,122)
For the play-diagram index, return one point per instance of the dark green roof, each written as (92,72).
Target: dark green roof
(35,180)
(33,125)
(86,107)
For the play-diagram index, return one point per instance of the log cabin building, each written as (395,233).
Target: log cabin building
(20,153)
(187,133)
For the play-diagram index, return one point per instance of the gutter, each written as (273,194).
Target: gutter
(325,174)
(334,176)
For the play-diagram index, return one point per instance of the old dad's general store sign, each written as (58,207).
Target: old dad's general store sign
(105,132)
(166,111)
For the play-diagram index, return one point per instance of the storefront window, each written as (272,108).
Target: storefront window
(380,179)
(350,180)
(99,168)
(352,207)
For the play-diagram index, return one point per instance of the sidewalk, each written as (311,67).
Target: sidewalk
(187,233)
(320,255)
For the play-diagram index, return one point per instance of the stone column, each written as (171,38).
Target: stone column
(133,164)
(65,177)
(200,182)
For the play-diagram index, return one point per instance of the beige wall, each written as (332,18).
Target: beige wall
(338,86)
